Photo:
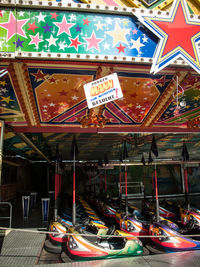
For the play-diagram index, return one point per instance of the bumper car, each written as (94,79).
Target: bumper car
(172,240)
(132,225)
(167,209)
(190,218)
(81,245)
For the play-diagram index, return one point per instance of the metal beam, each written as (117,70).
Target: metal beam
(29,143)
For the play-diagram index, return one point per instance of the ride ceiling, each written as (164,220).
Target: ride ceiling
(45,100)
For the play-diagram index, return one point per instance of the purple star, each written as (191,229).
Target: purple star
(78,29)
(47,28)
(18,43)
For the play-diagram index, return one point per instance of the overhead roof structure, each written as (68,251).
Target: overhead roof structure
(61,46)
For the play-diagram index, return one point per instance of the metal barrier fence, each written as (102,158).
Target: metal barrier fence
(10,212)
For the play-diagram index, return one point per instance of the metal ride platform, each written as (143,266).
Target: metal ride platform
(25,249)
(178,259)
(21,248)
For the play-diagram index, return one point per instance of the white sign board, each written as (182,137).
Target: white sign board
(103,90)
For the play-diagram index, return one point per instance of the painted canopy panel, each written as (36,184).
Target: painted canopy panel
(10,107)
(57,31)
(60,97)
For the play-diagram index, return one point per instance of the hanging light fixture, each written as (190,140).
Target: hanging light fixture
(177,95)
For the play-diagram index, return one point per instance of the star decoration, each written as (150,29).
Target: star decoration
(99,25)
(52,40)
(18,43)
(134,31)
(40,76)
(136,44)
(6,99)
(54,16)
(74,43)
(63,93)
(121,48)
(179,37)
(93,41)
(32,26)
(78,29)
(47,28)
(64,27)
(118,34)
(10,26)
(35,40)
(3,83)
(74,97)
(41,17)
(86,21)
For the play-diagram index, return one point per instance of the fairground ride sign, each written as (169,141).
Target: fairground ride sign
(179,36)
(103,90)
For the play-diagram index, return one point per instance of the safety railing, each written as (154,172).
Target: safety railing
(10,212)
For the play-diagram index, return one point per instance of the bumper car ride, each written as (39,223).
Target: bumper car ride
(81,245)
(170,240)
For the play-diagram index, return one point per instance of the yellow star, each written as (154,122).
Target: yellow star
(6,99)
(130,105)
(125,22)
(3,83)
(118,34)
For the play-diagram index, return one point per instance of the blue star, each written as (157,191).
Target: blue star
(47,28)
(18,43)
(78,29)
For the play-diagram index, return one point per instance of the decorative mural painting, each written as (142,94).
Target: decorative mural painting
(50,31)
(60,97)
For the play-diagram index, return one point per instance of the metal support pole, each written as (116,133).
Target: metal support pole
(74,194)
(2,126)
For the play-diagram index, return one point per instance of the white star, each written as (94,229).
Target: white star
(138,106)
(62,45)
(74,97)
(99,25)
(52,104)
(145,39)
(136,44)
(41,17)
(52,41)
(45,106)
(109,21)
(4,90)
(106,46)
(72,17)
(21,13)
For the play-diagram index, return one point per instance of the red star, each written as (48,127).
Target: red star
(133,95)
(178,33)
(54,15)
(52,80)
(39,76)
(63,93)
(1,13)
(65,80)
(86,21)
(32,26)
(75,43)
(121,48)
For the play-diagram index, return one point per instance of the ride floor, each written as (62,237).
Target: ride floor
(19,248)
